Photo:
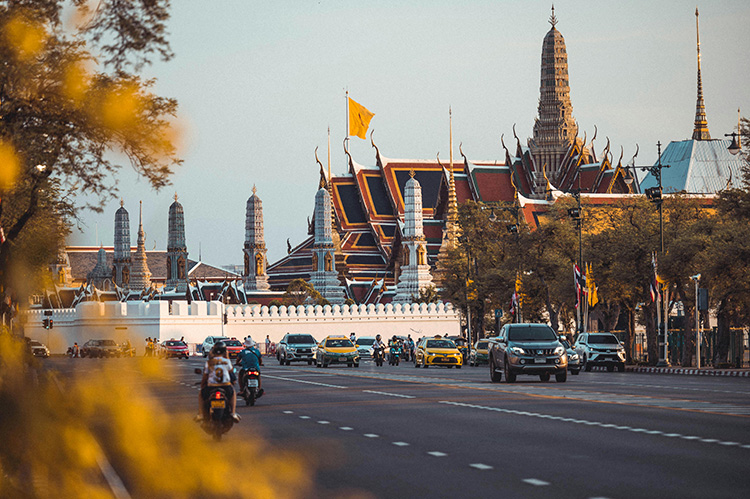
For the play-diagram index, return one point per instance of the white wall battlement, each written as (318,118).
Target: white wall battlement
(164,320)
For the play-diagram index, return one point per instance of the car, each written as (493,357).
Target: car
(100,348)
(38,349)
(209,343)
(528,348)
(364,346)
(574,360)
(462,344)
(600,349)
(174,348)
(437,351)
(296,347)
(480,353)
(234,347)
(336,349)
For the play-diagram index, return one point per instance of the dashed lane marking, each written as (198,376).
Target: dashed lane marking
(371,435)
(535,481)
(323,422)
(596,423)
(346,428)
(390,394)
(400,444)
(304,417)
(481,466)
(437,453)
(288,412)
(303,381)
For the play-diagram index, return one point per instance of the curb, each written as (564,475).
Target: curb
(683,370)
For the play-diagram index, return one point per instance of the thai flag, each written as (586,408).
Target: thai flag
(580,282)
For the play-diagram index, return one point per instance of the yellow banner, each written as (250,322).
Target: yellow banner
(359,119)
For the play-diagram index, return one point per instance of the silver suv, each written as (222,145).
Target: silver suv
(209,343)
(600,349)
(296,347)
(527,349)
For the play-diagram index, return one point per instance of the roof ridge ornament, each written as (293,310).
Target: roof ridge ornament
(412,173)
(552,18)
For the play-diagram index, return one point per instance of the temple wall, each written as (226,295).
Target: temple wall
(159,319)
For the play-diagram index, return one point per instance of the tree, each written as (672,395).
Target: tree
(73,110)
(301,292)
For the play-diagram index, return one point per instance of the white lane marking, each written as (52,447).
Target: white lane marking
(304,417)
(437,453)
(346,428)
(323,422)
(481,466)
(390,394)
(303,381)
(535,481)
(400,444)
(288,412)
(592,423)
(371,435)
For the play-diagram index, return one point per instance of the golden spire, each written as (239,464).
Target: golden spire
(553,19)
(254,189)
(700,129)
(452,201)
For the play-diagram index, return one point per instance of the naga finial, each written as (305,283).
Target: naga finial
(553,19)
(412,173)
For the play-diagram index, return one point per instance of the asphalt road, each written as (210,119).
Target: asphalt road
(406,432)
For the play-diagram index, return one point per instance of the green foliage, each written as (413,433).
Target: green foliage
(301,292)
(428,294)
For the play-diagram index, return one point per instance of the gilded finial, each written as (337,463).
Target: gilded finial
(254,189)
(412,173)
(122,201)
(553,19)
(175,197)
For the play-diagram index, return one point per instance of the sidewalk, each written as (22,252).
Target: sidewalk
(705,371)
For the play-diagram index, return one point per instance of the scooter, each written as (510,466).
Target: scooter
(395,355)
(219,412)
(249,381)
(378,354)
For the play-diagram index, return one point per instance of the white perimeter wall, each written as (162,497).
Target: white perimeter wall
(159,319)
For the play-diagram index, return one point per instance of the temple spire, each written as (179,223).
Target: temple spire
(700,129)
(552,18)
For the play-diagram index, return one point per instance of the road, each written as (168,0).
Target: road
(397,431)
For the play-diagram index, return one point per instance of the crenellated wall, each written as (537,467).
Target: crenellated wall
(160,319)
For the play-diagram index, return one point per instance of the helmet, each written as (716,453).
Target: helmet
(219,349)
(377,337)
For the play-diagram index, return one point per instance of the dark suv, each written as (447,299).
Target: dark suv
(296,347)
(527,349)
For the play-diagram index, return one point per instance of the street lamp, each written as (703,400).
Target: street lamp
(576,214)
(696,278)
(735,146)
(654,195)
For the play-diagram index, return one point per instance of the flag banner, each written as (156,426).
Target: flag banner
(591,285)
(654,287)
(359,119)
(580,283)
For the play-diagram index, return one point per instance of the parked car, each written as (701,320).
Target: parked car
(174,349)
(574,360)
(600,349)
(437,351)
(38,349)
(296,347)
(364,346)
(100,348)
(336,350)
(209,343)
(480,353)
(531,349)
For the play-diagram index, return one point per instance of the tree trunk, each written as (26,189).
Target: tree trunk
(722,334)
(688,332)
(629,335)
(652,334)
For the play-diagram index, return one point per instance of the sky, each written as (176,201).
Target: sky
(259,83)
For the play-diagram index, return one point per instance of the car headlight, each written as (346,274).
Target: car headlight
(573,356)
(560,350)
(517,351)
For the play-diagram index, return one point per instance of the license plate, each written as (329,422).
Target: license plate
(218,404)
(342,359)
(540,360)
(253,383)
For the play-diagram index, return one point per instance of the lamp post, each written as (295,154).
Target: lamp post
(465,240)
(576,214)
(696,278)
(654,194)
(735,146)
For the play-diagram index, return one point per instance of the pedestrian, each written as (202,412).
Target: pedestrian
(353,337)
(76,351)
(268,344)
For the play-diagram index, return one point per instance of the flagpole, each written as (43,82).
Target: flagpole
(347,120)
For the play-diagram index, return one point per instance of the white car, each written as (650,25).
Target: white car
(364,346)
(38,349)
(600,349)
(209,343)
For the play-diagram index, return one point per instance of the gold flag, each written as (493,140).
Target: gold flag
(359,119)
(593,289)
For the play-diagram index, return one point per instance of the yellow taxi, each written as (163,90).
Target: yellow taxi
(437,351)
(335,349)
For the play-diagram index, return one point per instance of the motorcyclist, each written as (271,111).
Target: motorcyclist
(217,372)
(250,359)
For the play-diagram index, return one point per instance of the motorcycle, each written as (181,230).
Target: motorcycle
(219,412)
(378,354)
(395,355)
(249,381)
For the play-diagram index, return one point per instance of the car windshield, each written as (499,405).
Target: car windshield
(460,341)
(108,343)
(483,344)
(440,344)
(35,343)
(531,333)
(604,339)
(300,338)
(232,343)
(175,344)
(365,341)
(339,343)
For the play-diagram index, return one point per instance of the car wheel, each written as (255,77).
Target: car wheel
(544,377)
(561,377)
(495,376)
(356,364)
(309,362)
(620,368)
(416,364)
(575,372)
(281,362)
(586,365)
(509,376)
(610,368)
(458,366)
(288,362)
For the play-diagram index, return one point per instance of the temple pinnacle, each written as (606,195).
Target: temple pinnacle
(553,19)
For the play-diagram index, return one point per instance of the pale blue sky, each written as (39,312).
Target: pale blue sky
(260,82)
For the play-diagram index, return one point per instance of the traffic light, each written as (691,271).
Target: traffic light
(50,323)
(45,323)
